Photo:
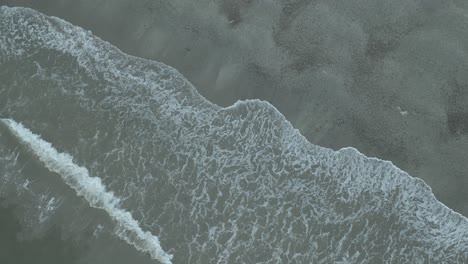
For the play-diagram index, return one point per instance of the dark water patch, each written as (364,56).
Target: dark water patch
(50,249)
(457,108)
(457,123)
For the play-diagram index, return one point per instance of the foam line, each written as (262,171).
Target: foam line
(92,189)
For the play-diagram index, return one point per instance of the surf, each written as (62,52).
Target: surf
(91,189)
(236,184)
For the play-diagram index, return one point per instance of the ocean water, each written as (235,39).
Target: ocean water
(124,156)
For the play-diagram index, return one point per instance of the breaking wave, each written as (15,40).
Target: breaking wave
(223,185)
(92,189)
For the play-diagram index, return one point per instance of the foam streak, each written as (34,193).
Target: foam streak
(92,189)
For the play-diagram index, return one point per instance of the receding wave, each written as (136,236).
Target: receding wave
(232,185)
(92,189)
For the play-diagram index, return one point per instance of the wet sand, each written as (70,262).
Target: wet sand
(394,90)
(395,102)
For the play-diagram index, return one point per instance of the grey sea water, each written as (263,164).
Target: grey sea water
(128,163)
(386,77)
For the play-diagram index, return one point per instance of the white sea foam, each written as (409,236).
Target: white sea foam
(244,177)
(92,189)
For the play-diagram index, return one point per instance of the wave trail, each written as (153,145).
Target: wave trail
(92,189)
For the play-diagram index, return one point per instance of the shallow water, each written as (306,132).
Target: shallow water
(124,156)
